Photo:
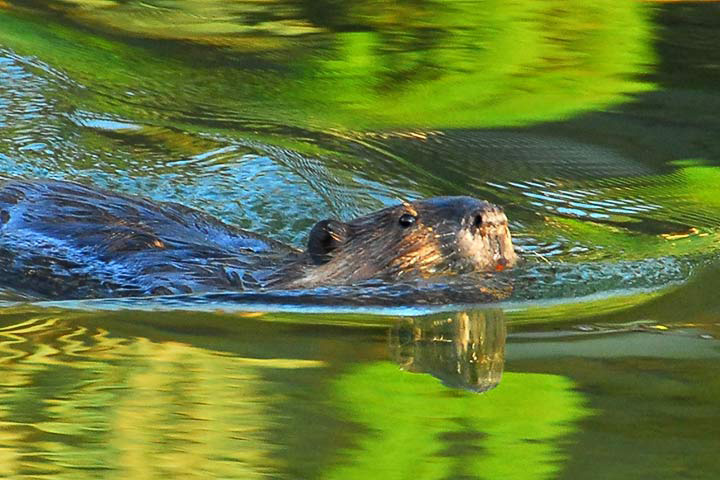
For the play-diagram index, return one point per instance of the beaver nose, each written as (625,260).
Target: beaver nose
(487,216)
(476,220)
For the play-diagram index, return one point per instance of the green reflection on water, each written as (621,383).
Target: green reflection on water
(490,63)
(366,65)
(695,183)
(679,215)
(79,401)
(418,429)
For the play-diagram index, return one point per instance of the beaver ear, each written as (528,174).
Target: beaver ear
(325,237)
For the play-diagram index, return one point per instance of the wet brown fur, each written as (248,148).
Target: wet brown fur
(377,246)
(65,240)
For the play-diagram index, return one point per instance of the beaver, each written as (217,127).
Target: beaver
(65,240)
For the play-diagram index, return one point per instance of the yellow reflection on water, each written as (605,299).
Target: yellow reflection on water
(75,402)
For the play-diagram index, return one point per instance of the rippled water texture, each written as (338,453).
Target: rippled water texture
(595,126)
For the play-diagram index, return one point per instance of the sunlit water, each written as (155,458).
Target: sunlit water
(596,128)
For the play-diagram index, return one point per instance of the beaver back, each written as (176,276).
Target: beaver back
(65,240)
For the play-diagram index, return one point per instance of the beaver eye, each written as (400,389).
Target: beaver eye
(407,220)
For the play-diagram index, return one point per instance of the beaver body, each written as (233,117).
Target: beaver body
(64,240)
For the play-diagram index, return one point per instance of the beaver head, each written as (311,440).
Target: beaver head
(436,236)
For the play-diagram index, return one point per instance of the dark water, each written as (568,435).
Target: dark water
(595,125)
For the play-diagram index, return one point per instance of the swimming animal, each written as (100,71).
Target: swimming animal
(65,240)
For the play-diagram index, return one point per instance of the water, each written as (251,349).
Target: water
(596,128)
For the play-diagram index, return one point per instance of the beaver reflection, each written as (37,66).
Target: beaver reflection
(464,350)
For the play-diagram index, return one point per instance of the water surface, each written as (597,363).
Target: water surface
(596,128)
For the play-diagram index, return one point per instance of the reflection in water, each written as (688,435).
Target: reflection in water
(354,64)
(465,350)
(220,396)
(77,401)
(413,427)
(242,131)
